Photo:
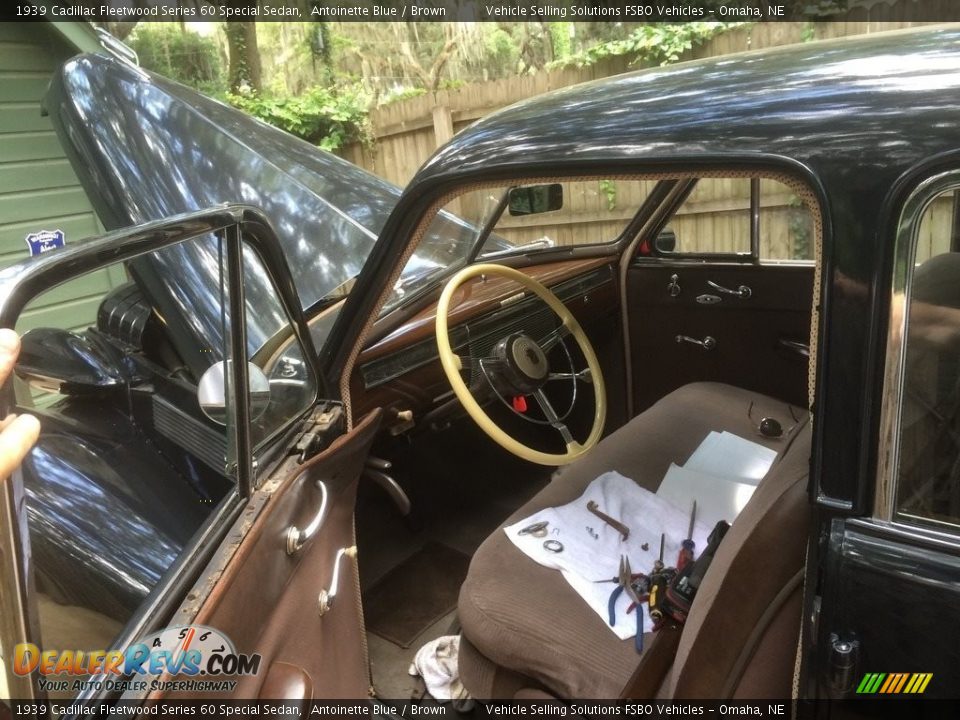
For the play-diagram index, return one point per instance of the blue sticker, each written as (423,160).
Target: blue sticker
(44,241)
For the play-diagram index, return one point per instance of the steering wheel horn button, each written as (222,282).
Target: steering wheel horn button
(527,357)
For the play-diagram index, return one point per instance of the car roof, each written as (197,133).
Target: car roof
(883,101)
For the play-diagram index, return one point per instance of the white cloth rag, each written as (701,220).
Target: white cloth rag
(436,664)
(592,549)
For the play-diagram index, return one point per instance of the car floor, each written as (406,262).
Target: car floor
(463,487)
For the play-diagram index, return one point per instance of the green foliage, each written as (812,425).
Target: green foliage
(326,117)
(402,94)
(561,39)
(609,189)
(809,32)
(657,44)
(180,55)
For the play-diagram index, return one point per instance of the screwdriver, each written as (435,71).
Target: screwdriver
(687,546)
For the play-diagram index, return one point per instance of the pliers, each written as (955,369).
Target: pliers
(624,581)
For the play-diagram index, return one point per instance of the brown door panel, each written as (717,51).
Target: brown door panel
(756,338)
(267,600)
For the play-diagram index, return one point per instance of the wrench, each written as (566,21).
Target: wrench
(612,522)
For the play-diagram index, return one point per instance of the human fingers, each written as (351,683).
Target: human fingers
(16,439)
(9,347)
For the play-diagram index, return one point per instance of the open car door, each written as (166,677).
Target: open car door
(186,518)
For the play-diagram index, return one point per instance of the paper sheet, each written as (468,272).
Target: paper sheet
(729,455)
(718,498)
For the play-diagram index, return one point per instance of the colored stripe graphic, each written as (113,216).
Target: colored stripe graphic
(894,683)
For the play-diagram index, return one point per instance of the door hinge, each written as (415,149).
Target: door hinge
(844,659)
(324,425)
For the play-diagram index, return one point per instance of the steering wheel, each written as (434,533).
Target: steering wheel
(519,367)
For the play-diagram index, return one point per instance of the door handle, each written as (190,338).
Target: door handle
(297,538)
(708,343)
(742,292)
(325,600)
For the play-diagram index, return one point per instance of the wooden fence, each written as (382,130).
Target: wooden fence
(406,133)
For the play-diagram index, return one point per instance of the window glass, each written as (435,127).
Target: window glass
(137,445)
(786,223)
(929,434)
(127,467)
(715,219)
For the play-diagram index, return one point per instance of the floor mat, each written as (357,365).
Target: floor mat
(415,594)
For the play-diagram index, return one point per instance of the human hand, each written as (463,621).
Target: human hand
(18,433)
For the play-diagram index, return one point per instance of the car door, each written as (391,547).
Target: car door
(886,620)
(266,575)
(725,292)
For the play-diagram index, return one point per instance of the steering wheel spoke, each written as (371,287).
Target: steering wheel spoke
(544,402)
(554,338)
(582,375)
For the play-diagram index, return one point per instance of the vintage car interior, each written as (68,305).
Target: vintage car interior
(585,307)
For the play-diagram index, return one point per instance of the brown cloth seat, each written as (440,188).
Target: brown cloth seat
(525,628)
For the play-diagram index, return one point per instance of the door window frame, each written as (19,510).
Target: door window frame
(900,294)
(238,225)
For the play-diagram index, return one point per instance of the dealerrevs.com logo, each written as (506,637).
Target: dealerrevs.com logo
(184,652)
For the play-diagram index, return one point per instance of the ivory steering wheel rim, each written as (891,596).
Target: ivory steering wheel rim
(452,365)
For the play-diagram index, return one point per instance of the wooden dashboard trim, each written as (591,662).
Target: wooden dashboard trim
(474,298)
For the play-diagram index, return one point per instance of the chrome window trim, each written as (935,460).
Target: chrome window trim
(904,259)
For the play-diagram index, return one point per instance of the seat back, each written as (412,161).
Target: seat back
(745,619)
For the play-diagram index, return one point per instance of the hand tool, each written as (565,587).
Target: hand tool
(624,582)
(612,522)
(658,563)
(687,546)
(678,595)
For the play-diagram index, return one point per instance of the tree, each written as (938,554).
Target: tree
(242,47)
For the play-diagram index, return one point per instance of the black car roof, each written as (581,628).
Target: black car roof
(883,100)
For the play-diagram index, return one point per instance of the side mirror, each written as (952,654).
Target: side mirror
(535,199)
(212,392)
(666,241)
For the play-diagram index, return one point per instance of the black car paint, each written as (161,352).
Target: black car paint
(853,119)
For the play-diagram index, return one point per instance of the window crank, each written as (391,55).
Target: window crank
(742,292)
(325,600)
(708,342)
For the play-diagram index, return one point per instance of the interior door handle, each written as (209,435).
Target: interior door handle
(708,343)
(325,600)
(742,292)
(297,538)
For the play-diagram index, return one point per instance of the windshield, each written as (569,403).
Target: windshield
(495,222)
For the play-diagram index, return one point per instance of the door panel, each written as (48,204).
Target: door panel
(880,581)
(267,600)
(753,335)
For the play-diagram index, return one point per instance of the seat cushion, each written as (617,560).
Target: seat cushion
(525,618)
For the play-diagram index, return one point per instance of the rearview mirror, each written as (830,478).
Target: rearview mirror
(212,392)
(534,199)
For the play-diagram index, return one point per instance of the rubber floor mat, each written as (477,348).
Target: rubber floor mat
(415,594)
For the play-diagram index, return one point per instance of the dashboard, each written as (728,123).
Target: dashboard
(401,372)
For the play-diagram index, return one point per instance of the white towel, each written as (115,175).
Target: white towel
(592,549)
(436,663)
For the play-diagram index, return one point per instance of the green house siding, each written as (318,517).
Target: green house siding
(38,188)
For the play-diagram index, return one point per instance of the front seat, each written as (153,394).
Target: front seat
(525,629)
